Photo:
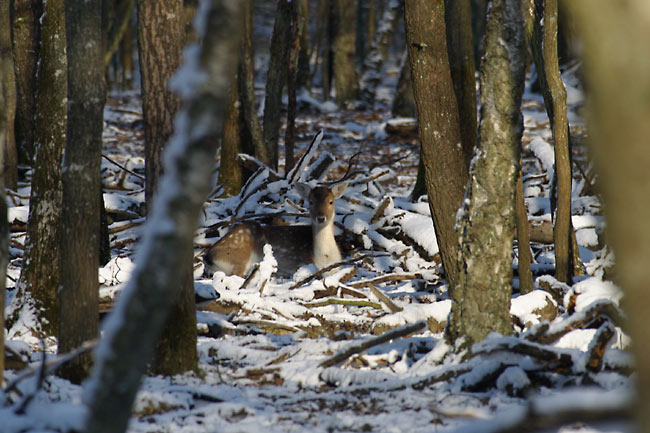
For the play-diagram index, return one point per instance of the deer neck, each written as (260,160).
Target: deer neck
(326,252)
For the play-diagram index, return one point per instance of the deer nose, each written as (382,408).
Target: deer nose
(320,220)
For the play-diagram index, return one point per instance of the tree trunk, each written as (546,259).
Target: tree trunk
(303,56)
(458,21)
(8,113)
(346,83)
(438,123)
(7,87)
(247,89)
(280,42)
(403,102)
(81,180)
(137,320)
(617,73)
(375,59)
(481,299)
(160,42)
(230,172)
(25,43)
(523,239)
(292,77)
(41,272)
(479,17)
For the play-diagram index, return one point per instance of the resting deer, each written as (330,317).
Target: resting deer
(293,246)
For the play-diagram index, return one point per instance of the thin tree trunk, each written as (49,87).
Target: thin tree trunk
(25,42)
(458,20)
(523,239)
(481,299)
(403,102)
(8,111)
(41,272)
(280,42)
(137,320)
(303,56)
(230,172)
(7,92)
(346,82)
(292,75)
(247,88)
(438,123)
(78,297)
(560,127)
(617,74)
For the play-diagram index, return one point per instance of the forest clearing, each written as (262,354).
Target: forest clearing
(473,285)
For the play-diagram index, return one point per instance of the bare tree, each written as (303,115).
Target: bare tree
(136,322)
(346,81)
(617,72)
(481,299)
(10,156)
(438,123)
(41,271)
(80,239)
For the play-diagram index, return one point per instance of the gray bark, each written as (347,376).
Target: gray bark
(81,180)
(481,299)
(137,320)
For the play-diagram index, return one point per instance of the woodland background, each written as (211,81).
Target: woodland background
(456,213)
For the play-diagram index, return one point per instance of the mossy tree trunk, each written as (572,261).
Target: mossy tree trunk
(138,319)
(160,42)
(438,123)
(346,81)
(481,299)
(41,272)
(81,181)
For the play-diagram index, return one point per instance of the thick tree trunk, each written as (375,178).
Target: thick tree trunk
(8,113)
(41,273)
(617,73)
(481,299)
(458,20)
(25,41)
(137,320)
(160,42)
(280,42)
(438,123)
(375,59)
(78,297)
(346,82)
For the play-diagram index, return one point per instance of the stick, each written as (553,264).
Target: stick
(329,268)
(400,332)
(385,299)
(339,301)
(384,279)
(112,161)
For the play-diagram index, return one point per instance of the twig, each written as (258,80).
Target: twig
(329,268)
(385,299)
(384,279)
(339,301)
(402,331)
(266,323)
(125,225)
(112,161)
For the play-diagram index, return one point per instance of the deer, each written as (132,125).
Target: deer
(293,245)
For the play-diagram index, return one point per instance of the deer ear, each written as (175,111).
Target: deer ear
(339,189)
(303,189)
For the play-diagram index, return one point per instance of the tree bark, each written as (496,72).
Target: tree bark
(458,21)
(160,42)
(8,113)
(617,73)
(292,78)
(137,320)
(25,43)
(403,102)
(7,86)
(230,172)
(481,299)
(346,82)
(438,123)
(81,181)
(280,42)
(523,239)
(41,272)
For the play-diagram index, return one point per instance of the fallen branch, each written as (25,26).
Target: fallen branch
(384,279)
(400,332)
(598,346)
(320,272)
(385,299)
(112,161)
(125,225)
(339,301)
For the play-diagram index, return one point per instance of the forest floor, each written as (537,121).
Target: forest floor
(268,347)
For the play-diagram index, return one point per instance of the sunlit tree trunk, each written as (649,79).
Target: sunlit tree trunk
(138,319)
(617,73)
(481,299)
(438,123)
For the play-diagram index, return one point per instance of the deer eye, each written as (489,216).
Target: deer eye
(331,202)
